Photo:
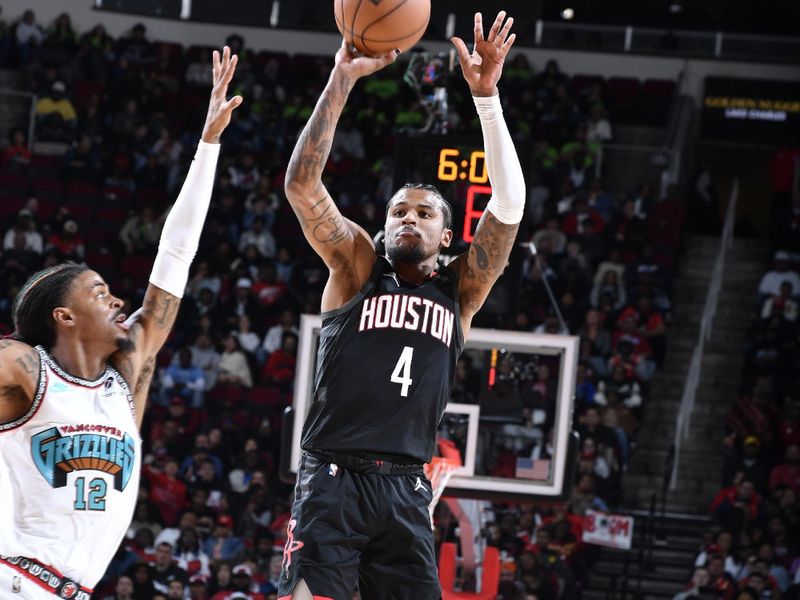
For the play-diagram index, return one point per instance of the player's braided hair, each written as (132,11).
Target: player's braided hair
(447,211)
(42,293)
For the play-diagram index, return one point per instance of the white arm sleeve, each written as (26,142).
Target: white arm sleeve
(181,234)
(505,172)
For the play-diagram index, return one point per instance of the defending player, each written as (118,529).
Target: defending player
(73,390)
(392,330)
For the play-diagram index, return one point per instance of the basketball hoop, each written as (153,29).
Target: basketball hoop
(440,470)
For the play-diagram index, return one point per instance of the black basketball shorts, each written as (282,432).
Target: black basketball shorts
(352,527)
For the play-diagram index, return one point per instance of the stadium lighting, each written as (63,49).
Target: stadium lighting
(568,14)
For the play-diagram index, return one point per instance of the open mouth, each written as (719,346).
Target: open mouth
(120,322)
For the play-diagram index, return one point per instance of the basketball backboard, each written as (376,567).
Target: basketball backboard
(510,414)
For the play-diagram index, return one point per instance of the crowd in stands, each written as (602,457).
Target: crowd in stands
(212,511)
(753,551)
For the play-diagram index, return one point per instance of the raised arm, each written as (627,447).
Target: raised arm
(344,246)
(481,266)
(150,325)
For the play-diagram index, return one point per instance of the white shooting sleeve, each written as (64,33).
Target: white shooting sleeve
(505,172)
(181,234)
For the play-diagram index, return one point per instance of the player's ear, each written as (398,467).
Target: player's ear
(447,238)
(63,316)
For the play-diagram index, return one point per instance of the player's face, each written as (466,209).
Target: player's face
(95,313)
(414,229)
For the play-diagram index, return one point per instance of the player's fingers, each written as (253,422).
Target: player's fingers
(496,26)
(215,64)
(228,74)
(478,27)
(503,35)
(507,46)
(461,49)
(389,58)
(231,104)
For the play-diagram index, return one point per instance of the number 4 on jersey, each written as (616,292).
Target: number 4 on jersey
(402,370)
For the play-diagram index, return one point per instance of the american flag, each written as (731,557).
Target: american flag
(533,469)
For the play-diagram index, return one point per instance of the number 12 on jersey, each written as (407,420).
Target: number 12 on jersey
(402,370)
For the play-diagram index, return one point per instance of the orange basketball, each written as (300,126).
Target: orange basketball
(377,27)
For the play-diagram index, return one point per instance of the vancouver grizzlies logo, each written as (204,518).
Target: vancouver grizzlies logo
(95,448)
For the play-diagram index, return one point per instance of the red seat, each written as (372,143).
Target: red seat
(264,396)
(579,83)
(136,267)
(81,188)
(83,92)
(14,181)
(623,93)
(111,215)
(100,236)
(10,205)
(103,262)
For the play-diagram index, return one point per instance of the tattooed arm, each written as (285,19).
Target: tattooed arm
(151,325)
(480,267)
(19,378)
(344,246)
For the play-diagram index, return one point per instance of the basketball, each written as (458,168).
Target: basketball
(377,27)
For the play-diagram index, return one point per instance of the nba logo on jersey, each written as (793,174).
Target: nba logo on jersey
(108,387)
(333,469)
(69,590)
(92,447)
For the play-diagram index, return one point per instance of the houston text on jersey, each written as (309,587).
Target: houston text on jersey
(403,311)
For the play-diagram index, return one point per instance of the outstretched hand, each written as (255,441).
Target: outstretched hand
(483,66)
(220,109)
(354,66)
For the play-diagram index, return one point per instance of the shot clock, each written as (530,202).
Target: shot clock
(457,167)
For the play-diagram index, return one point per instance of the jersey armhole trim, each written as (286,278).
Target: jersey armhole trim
(365,289)
(35,405)
(453,275)
(125,388)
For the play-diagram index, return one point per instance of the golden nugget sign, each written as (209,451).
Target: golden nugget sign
(750,110)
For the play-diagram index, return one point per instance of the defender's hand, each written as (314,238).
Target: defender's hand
(354,66)
(484,65)
(219,109)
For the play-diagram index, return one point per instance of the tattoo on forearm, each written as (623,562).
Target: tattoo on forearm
(163,308)
(143,382)
(481,258)
(490,249)
(5,344)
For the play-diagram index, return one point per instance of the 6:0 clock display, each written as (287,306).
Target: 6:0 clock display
(452,166)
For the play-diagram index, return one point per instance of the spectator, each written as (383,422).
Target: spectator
(29,36)
(770,284)
(750,461)
(222,545)
(280,366)
(55,115)
(184,380)
(247,338)
(68,242)
(697,586)
(16,156)
(260,237)
(207,358)
(787,474)
(720,581)
(782,305)
(189,556)
(123,590)
(25,228)
(583,497)
(167,492)
(164,570)
(141,232)
(233,366)
(610,286)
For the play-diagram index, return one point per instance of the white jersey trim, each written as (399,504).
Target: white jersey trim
(37,400)
(71,378)
(125,388)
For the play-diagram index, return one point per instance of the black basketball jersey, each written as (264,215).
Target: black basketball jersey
(385,367)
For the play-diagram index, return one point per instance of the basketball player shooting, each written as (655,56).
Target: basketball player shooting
(73,391)
(393,328)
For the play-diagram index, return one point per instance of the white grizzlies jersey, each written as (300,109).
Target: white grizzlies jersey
(69,473)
